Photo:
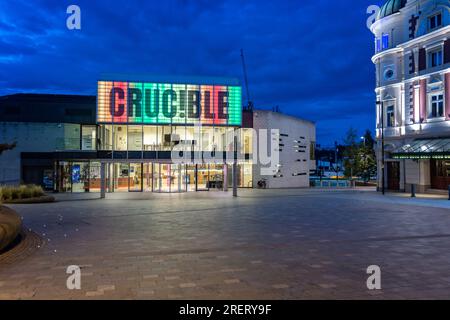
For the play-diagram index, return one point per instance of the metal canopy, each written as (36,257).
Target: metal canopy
(424,149)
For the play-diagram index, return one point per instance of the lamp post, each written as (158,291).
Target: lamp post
(382,146)
(364,140)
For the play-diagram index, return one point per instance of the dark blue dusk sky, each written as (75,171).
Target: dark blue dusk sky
(309,57)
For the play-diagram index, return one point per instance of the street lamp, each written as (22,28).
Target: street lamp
(382,145)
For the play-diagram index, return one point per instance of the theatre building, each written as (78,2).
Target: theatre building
(140,135)
(412,59)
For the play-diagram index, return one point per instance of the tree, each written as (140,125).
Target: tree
(350,153)
(359,157)
(6,147)
(367,166)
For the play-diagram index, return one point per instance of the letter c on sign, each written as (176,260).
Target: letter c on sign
(117,93)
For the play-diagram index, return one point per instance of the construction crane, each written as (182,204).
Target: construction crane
(249,101)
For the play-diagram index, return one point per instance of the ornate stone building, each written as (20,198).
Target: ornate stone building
(412,59)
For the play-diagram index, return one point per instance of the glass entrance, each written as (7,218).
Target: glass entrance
(135,177)
(148,177)
(169,177)
(215,176)
(121,174)
(202,177)
(190,177)
(166,177)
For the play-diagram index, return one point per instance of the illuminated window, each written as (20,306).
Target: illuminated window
(80,176)
(436,107)
(207,136)
(135,138)
(71,139)
(377,45)
(105,133)
(120,138)
(88,138)
(151,138)
(390,117)
(165,137)
(385,41)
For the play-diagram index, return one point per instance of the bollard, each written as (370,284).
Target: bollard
(413,191)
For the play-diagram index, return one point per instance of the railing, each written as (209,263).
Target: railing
(331,183)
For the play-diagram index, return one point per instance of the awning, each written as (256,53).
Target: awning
(424,149)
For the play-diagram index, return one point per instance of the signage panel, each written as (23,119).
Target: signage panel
(164,103)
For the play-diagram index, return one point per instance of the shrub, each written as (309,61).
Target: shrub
(5,193)
(36,191)
(15,193)
(25,192)
(9,193)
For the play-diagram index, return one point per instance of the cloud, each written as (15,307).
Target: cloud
(312,58)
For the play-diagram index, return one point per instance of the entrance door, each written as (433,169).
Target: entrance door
(215,176)
(135,177)
(178,179)
(190,178)
(440,174)
(166,177)
(202,177)
(121,177)
(148,177)
(393,175)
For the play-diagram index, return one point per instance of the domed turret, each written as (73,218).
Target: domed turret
(391,7)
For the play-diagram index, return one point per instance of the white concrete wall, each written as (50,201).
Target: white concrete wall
(32,137)
(294,128)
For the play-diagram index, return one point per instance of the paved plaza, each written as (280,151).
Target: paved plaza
(265,244)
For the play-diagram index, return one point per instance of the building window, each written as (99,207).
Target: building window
(442,168)
(382,43)
(88,138)
(105,133)
(151,138)
(385,41)
(434,22)
(120,137)
(377,45)
(435,58)
(390,117)
(134,138)
(247,138)
(436,109)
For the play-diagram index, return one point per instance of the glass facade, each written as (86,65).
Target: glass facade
(134,118)
(84,176)
(165,138)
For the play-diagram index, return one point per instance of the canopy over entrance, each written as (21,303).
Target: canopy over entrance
(424,149)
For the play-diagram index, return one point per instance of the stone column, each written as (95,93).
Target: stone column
(102,180)
(225,177)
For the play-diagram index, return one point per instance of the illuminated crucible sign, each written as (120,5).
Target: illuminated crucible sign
(159,103)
